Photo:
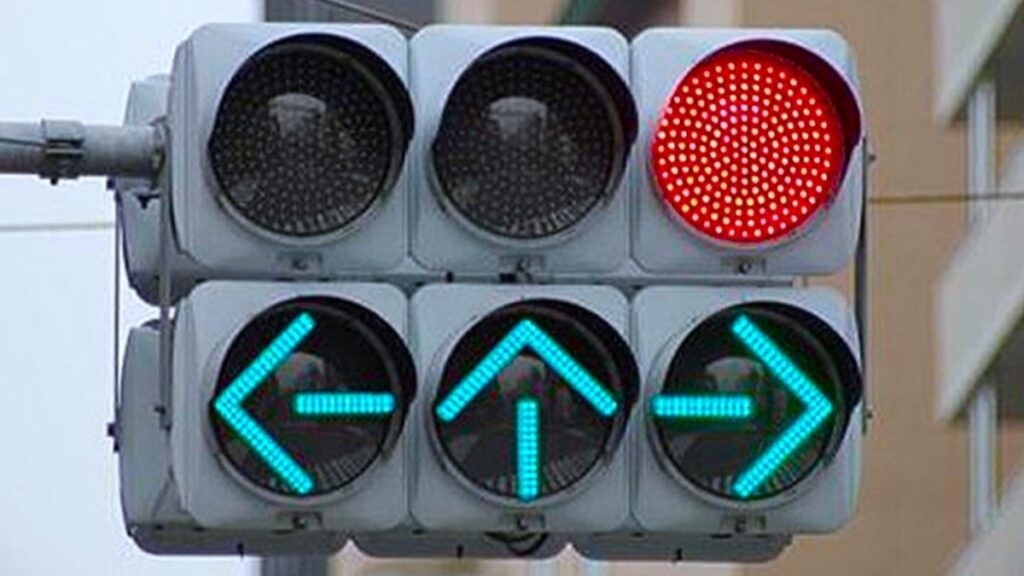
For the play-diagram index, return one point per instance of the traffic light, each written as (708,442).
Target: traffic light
(742,350)
(526,397)
(749,170)
(522,148)
(752,154)
(535,334)
(150,502)
(519,169)
(752,419)
(290,401)
(275,426)
(287,147)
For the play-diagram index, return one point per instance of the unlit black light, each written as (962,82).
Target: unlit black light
(308,136)
(533,139)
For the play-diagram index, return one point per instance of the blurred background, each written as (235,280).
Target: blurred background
(940,82)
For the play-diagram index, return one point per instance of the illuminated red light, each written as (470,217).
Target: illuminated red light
(749,147)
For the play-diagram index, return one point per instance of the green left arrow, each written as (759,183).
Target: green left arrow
(228,404)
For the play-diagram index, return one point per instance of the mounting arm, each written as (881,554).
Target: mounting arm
(57,149)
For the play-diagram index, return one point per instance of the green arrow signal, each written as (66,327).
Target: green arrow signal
(741,407)
(817,406)
(228,405)
(527,334)
(328,404)
(726,407)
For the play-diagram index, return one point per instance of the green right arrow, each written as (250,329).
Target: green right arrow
(818,406)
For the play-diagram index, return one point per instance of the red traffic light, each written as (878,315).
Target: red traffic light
(754,141)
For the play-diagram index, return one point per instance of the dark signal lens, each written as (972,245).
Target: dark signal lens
(753,400)
(309,395)
(533,398)
(752,145)
(533,138)
(309,133)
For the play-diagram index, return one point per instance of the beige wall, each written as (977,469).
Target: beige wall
(352,563)
(711,12)
(501,11)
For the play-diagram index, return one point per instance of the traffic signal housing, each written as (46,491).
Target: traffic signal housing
(151,504)
(521,153)
(287,146)
(752,152)
(752,412)
(289,405)
(527,393)
(638,413)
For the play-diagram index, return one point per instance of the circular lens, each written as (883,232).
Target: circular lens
(753,400)
(749,147)
(532,398)
(305,140)
(530,143)
(309,395)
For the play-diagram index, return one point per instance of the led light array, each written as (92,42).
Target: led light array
(268,360)
(528,448)
(489,368)
(818,406)
(781,449)
(344,404)
(779,364)
(748,148)
(570,370)
(709,407)
(270,451)
(228,404)
(527,333)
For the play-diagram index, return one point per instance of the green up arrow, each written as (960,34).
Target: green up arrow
(527,334)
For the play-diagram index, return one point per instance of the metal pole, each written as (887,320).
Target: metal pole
(982,420)
(983,412)
(58,150)
(861,287)
(981,144)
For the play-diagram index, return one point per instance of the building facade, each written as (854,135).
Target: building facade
(980,294)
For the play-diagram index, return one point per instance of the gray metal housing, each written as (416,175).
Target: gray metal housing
(439,314)
(139,203)
(673,547)
(821,503)
(440,241)
(419,544)
(221,244)
(206,323)
(150,502)
(660,242)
